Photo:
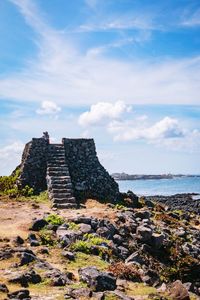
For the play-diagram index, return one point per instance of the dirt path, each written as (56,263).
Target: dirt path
(16,217)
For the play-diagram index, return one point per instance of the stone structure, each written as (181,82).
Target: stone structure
(70,171)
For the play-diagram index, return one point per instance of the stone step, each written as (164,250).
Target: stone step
(68,199)
(60,152)
(58,185)
(56,161)
(64,200)
(58,173)
(60,196)
(60,190)
(58,168)
(55,165)
(56,148)
(65,177)
(56,158)
(65,206)
(62,183)
(56,151)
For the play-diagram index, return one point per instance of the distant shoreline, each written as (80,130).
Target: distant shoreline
(124,176)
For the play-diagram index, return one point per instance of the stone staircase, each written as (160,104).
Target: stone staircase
(58,178)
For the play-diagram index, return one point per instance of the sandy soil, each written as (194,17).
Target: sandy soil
(16,217)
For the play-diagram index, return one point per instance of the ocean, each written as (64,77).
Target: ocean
(165,187)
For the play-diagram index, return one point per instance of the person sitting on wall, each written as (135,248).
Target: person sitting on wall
(46,136)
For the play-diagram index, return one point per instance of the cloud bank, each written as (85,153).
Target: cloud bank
(61,71)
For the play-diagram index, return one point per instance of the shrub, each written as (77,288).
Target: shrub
(8,186)
(47,238)
(123,271)
(55,219)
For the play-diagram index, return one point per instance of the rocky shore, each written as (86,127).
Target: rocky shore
(186,202)
(101,251)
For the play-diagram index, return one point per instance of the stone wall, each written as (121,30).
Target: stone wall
(33,165)
(89,177)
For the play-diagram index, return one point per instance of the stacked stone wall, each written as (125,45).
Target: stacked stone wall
(33,166)
(89,177)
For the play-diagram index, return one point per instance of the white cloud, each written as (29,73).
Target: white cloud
(192,20)
(48,108)
(167,132)
(61,72)
(103,111)
(91,3)
(121,22)
(10,156)
(164,129)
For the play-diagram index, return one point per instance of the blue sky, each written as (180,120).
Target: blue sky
(126,72)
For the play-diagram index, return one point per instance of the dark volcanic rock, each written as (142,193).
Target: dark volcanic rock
(99,281)
(27,258)
(183,202)
(38,224)
(21,294)
(3,288)
(78,293)
(33,240)
(18,240)
(25,278)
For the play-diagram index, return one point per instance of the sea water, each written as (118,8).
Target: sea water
(152,187)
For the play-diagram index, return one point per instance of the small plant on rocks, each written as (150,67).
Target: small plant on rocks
(55,219)
(47,237)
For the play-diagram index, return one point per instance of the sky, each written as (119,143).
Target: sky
(124,72)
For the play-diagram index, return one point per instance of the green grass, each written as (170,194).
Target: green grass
(85,260)
(77,285)
(111,297)
(90,241)
(140,289)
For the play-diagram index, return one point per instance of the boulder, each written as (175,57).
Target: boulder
(3,288)
(21,294)
(85,228)
(145,214)
(135,258)
(72,235)
(39,224)
(104,232)
(27,258)
(6,253)
(21,279)
(157,240)
(69,255)
(117,239)
(18,240)
(144,233)
(58,278)
(33,277)
(178,291)
(25,278)
(123,252)
(33,240)
(97,280)
(86,293)
(82,219)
